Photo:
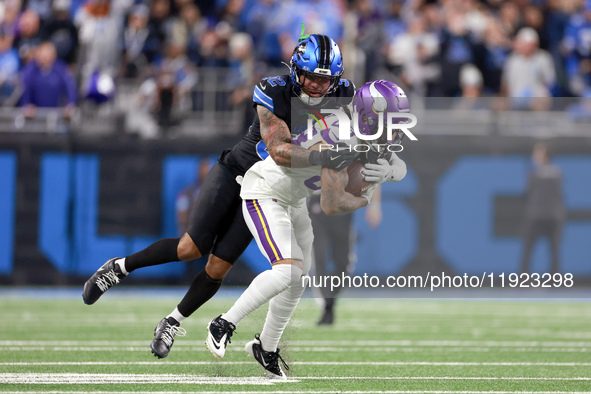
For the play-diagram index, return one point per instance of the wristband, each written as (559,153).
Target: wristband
(314,158)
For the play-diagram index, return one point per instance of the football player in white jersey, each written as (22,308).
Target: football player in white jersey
(275,211)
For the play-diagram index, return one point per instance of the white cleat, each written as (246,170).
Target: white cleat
(219,332)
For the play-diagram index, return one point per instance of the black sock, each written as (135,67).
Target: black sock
(328,304)
(160,252)
(202,289)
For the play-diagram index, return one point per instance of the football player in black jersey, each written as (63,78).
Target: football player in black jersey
(217,227)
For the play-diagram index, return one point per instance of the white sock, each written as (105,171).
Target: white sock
(121,264)
(176,315)
(281,307)
(265,286)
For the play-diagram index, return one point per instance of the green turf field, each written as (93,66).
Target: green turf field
(402,346)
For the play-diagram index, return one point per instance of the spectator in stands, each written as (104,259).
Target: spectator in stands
(100,24)
(510,17)
(320,16)
(188,30)
(141,109)
(214,46)
(242,76)
(457,49)
(474,18)
(28,35)
(41,7)
(183,72)
(259,20)
(497,47)
(160,25)
(556,20)
(534,18)
(47,82)
(9,65)
(12,10)
(232,14)
(471,84)
(60,30)
(394,24)
(177,5)
(577,49)
(528,73)
(412,56)
(163,93)
(369,37)
(136,42)
(434,16)
(471,81)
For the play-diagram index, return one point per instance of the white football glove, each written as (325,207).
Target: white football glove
(369,192)
(385,171)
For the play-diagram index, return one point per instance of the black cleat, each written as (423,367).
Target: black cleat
(327,318)
(268,360)
(164,336)
(106,277)
(219,332)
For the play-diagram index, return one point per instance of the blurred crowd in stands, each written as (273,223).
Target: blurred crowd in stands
(57,53)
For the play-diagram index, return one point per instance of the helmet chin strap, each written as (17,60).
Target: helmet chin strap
(309,100)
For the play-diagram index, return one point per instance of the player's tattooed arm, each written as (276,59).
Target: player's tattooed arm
(276,135)
(334,200)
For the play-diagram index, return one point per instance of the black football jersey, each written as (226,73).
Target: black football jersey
(276,94)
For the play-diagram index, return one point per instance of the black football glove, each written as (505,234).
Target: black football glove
(336,158)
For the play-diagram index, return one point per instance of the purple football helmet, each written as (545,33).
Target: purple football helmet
(374,100)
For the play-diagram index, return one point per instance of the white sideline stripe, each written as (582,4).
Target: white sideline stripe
(437,378)
(69,378)
(372,363)
(312,392)
(322,343)
(403,349)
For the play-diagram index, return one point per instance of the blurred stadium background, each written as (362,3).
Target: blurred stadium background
(96,167)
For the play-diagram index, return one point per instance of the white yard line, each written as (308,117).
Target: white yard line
(91,378)
(374,343)
(310,392)
(84,378)
(312,349)
(368,363)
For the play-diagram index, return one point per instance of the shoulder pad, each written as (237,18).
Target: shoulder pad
(268,90)
(346,89)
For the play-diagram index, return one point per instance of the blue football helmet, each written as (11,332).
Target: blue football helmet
(316,56)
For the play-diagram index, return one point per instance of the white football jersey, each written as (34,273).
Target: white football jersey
(266,179)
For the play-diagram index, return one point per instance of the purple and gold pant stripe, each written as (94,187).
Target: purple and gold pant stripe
(262,226)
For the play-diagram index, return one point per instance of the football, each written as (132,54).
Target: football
(356,183)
